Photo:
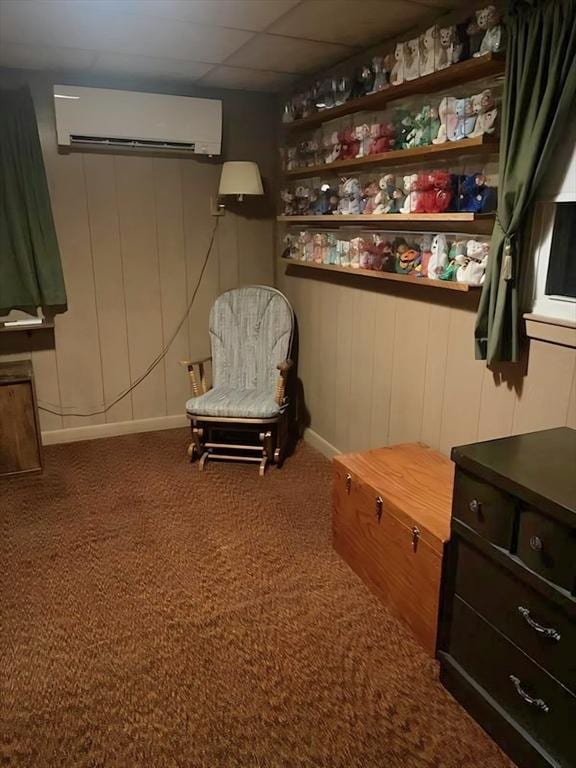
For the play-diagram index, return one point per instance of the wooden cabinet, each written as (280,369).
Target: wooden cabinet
(20,445)
(507,643)
(390,524)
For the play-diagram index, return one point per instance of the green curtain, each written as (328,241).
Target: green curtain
(30,269)
(539,100)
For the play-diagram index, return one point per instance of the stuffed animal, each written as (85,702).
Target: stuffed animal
(306,246)
(288,201)
(351,198)
(343,90)
(362,133)
(438,191)
(363,82)
(317,253)
(290,247)
(475,36)
(350,144)
(380,74)
(456,128)
(412,59)
(385,254)
(427,44)
(456,259)
(383,136)
(489,23)
(470,117)
(460,44)
(438,257)
(354,252)
(386,187)
(332,148)
(411,189)
(447,118)
(485,123)
(302,195)
(425,254)
(396,201)
(369,196)
(444,48)
(475,196)
(331,249)
(397,72)
(407,257)
(343,253)
(473,269)
(364,254)
(434,124)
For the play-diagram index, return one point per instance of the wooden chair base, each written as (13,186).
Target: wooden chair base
(271,447)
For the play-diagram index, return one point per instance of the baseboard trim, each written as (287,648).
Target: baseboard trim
(97,431)
(322,445)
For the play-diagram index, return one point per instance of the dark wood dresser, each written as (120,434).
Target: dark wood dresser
(507,633)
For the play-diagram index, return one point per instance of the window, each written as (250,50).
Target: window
(554,238)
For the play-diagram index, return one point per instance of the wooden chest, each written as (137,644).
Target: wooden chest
(391,521)
(507,645)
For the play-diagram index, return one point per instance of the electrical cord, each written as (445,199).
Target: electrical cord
(69,410)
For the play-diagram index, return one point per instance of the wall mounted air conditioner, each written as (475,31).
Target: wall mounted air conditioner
(101,117)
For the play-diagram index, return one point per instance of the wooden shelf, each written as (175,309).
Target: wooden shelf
(446,285)
(488,65)
(474,146)
(442,222)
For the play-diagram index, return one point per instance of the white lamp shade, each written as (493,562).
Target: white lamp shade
(240,178)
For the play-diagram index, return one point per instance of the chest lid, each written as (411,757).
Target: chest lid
(415,483)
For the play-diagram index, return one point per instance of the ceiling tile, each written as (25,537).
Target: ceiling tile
(149,66)
(93,26)
(287,54)
(351,22)
(247,79)
(42,57)
(253,15)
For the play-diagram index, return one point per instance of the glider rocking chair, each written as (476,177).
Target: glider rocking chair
(251,334)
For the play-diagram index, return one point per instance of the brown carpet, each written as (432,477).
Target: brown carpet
(155,617)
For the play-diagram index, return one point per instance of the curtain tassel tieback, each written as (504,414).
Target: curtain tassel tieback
(507,262)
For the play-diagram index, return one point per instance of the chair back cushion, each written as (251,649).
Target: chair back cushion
(250,332)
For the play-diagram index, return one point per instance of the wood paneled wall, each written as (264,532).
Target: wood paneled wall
(390,365)
(133,231)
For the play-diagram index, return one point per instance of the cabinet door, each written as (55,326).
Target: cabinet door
(19,449)
(399,567)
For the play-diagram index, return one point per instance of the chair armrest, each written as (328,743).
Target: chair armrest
(283,367)
(198,387)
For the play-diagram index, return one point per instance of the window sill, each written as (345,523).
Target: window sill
(550,329)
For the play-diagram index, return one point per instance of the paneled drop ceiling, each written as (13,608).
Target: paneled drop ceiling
(248,44)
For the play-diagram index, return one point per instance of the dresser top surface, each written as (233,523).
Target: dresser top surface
(539,467)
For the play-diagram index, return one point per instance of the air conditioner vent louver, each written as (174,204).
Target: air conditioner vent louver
(108,119)
(144,143)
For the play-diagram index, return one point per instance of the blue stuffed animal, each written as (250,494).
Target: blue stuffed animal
(475,196)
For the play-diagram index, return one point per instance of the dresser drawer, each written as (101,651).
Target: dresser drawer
(536,625)
(528,694)
(484,508)
(547,547)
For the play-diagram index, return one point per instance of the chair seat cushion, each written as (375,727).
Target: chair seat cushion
(234,403)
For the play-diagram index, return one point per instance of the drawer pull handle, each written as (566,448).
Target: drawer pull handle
(348,483)
(536,703)
(549,632)
(475,506)
(415,538)
(379,508)
(536,543)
